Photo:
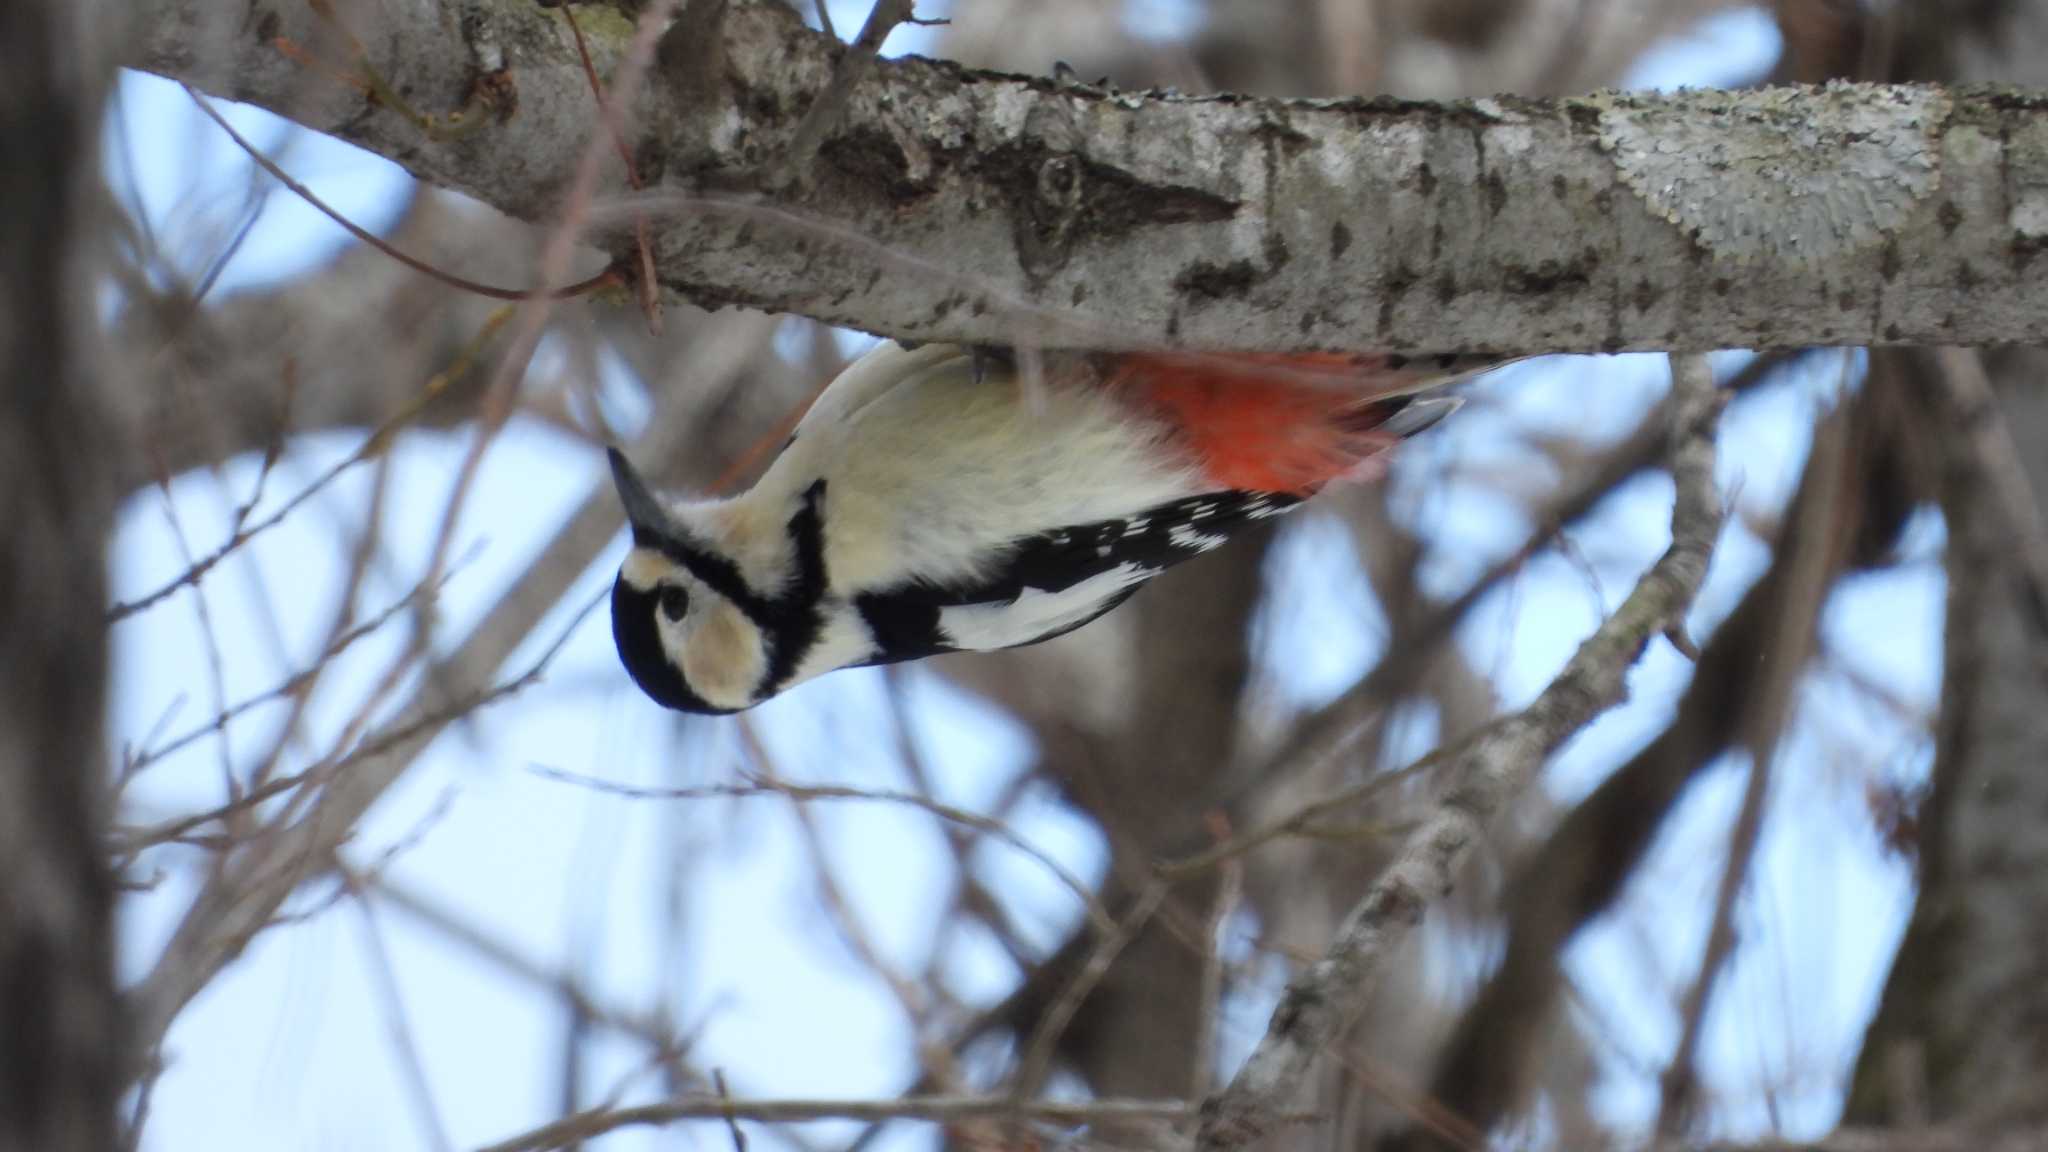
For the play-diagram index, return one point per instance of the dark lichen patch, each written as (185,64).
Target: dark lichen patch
(1584,116)
(1892,333)
(870,157)
(1399,280)
(1207,280)
(1967,278)
(1425,179)
(1277,254)
(1340,240)
(1446,288)
(1550,276)
(1119,201)
(1949,217)
(1846,300)
(1646,295)
(1079,294)
(1721,285)
(1057,199)
(1496,190)
(1559,189)
(1888,263)
(2024,249)
(1275,129)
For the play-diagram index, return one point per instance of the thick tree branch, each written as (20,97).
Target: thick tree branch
(953,204)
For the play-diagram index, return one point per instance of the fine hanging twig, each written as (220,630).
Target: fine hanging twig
(825,111)
(1996,458)
(941,1109)
(1325,997)
(1775,683)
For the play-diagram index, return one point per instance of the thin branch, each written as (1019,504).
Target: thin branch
(373,445)
(130,840)
(379,243)
(808,793)
(648,1028)
(650,292)
(1037,1058)
(1302,820)
(1996,458)
(384,975)
(291,686)
(1323,999)
(1826,514)
(939,1109)
(1229,890)
(1680,1081)
(825,111)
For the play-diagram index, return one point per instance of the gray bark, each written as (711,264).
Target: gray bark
(58,1023)
(962,205)
(1961,1033)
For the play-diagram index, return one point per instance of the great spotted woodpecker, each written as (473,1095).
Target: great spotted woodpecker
(942,499)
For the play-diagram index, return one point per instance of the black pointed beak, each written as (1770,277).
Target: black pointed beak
(649,520)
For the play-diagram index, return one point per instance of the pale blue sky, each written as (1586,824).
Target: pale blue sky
(289,1049)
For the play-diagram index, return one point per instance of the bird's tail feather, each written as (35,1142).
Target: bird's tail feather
(1293,423)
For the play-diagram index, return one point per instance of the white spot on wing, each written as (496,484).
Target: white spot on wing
(1184,536)
(1036,612)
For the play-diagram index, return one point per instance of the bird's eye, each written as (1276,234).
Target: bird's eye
(674,602)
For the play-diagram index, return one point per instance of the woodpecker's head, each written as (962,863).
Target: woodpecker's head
(681,611)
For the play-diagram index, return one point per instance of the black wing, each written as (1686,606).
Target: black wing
(909,621)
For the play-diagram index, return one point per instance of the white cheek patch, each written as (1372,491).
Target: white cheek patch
(644,568)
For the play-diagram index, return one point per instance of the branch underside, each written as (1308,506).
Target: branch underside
(952,204)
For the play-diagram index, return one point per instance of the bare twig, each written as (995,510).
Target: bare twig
(385,976)
(650,292)
(940,1109)
(242,897)
(372,446)
(648,1028)
(1202,1064)
(378,242)
(1997,460)
(823,114)
(1037,1058)
(807,793)
(732,1122)
(1680,1082)
(1303,819)
(298,682)
(1823,515)
(1320,1001)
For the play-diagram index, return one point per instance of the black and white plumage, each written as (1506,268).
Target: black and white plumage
(932,502)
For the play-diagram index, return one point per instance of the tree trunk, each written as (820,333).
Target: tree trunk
(58,1017)
(1962,1031)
